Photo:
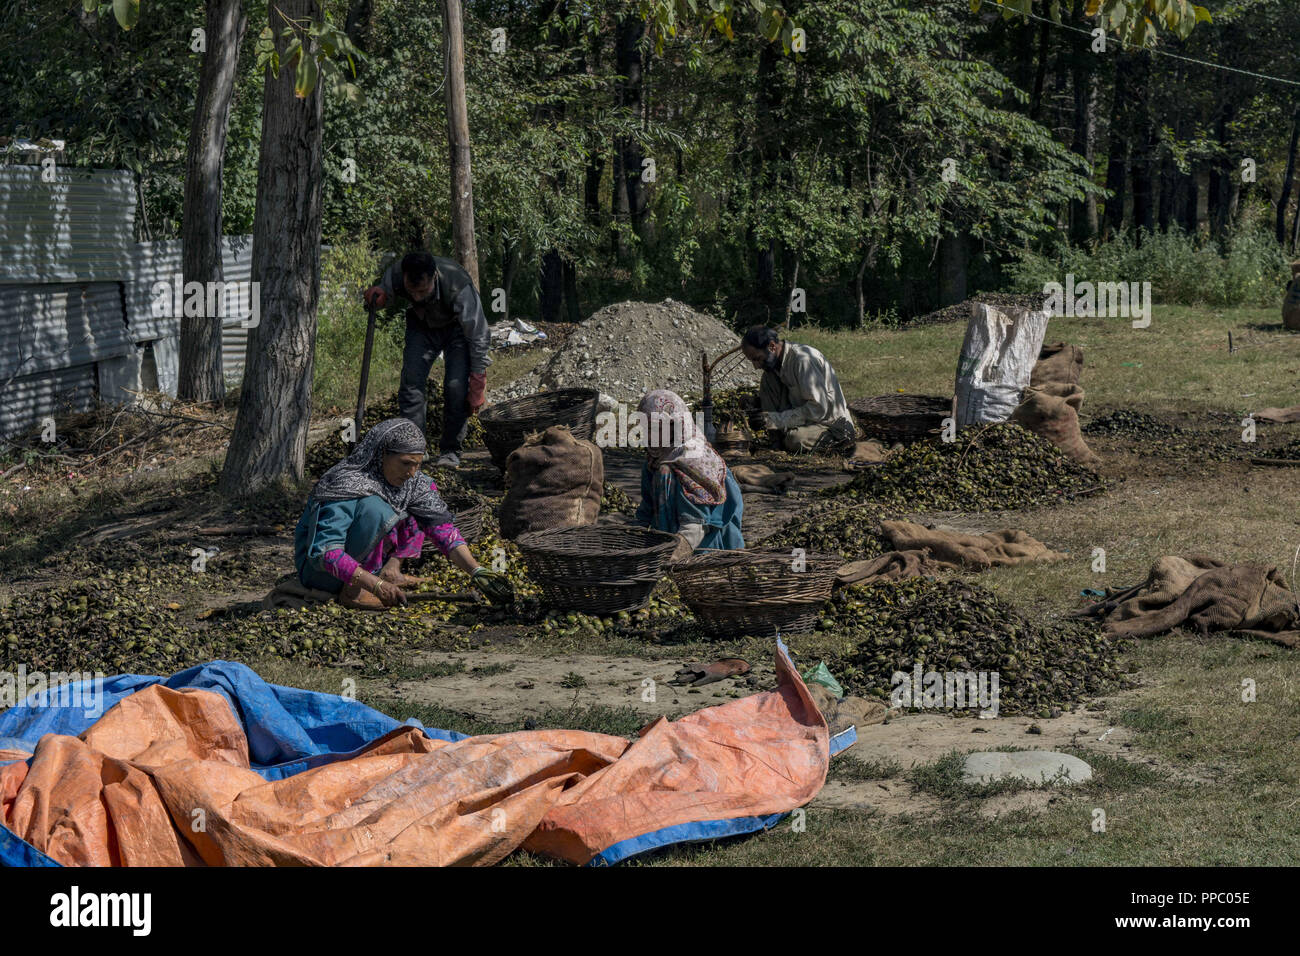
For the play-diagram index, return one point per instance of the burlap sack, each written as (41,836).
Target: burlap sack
(1279,415)
(762,478)
(954,549)
(1291,303)
(1058,362)
(890,566)
(553,480)
(1051,411)
(1249,598)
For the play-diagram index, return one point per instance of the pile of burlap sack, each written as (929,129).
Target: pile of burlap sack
(1049,407)
(923,550)
(553,480)
(1204,593)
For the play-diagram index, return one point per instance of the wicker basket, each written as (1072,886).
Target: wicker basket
(468,514)
(901,417)
(596,569)
(758,593)
(505,426)
(731,441)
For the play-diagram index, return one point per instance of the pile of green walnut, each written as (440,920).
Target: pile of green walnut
(954,626)
(831,527)
(1157,437)
(987,468)
(614,500)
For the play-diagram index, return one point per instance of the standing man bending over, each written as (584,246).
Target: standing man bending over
(445,316)
(799,395)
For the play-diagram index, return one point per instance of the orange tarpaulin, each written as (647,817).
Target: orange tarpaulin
(163,779)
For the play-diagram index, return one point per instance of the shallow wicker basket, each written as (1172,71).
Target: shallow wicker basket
(756,593)
(468,514)
(596,569)
(505,426)
(901,417)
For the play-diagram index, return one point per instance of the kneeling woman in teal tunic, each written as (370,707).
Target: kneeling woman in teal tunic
(369,512)
(686,487)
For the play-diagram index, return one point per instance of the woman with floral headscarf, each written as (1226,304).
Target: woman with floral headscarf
(686,487)
(369,512)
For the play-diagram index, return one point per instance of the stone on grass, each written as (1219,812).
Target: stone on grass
(1032,766)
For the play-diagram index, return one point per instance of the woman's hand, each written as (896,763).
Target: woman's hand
(387,592)
(390,593)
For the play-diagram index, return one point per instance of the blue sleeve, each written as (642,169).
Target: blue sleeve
(333,519)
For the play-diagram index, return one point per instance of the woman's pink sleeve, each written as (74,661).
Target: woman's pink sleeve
(340,564)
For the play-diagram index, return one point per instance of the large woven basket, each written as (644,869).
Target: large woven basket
(468,514)
(901,417)
(505,426)
(596,569)
(758,593)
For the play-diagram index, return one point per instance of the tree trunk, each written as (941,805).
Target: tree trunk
(868,262)
(630,31)
(768,149)
(952,269)
(462,180)
(591,189)
(1225,177)
(1191,201)
(201,378)
(270,435)
(1040,77)
(1144,153)
(551,286)
(1083,214)
(618,206)
(1117,149)
(509,269)
(1288,179)
(572,310)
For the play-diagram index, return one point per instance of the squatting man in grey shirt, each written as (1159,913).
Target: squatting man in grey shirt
(799,395)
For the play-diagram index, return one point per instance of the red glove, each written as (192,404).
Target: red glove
(477,391)
(375,297)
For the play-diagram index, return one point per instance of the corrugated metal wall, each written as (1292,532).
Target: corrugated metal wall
(61,325)
(154,262)
(78,228)
(76,291)
(25,401)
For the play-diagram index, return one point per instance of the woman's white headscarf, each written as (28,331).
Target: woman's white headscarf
(700,469)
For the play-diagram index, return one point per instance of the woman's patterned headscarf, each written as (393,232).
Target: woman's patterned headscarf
(362,474)
(700,469)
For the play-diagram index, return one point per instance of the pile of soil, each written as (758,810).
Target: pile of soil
(628,348)
(961,311)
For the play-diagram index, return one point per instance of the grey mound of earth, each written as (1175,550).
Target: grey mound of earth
(961,311)
(1033,766)
(628,348)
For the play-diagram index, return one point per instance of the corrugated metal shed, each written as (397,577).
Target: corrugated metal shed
(25,401)
(78,228)
(151,311)
(60,325)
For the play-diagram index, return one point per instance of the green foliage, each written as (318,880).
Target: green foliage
(346,269)
(1245,267)
(1134,21)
